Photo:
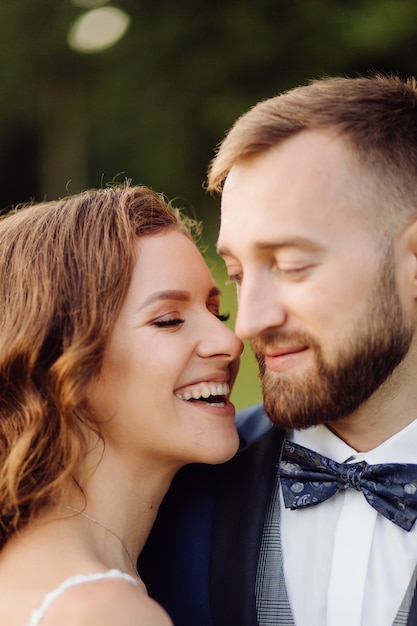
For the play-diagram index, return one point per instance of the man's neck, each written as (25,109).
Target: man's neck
(362,438)
(387,412)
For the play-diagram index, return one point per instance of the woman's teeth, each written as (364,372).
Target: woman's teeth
(204,391)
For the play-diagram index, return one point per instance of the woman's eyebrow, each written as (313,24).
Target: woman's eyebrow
(174,294)
(167,294)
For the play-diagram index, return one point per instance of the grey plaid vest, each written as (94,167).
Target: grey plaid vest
(272,604)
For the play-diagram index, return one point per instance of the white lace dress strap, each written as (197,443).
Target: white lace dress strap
(38,614)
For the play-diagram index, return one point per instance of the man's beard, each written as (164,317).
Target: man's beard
(333,390)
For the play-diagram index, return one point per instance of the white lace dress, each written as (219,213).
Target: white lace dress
(38,614)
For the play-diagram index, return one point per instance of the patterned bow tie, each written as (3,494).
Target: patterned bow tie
(308,478)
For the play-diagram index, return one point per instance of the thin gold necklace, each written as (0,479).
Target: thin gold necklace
(95,521)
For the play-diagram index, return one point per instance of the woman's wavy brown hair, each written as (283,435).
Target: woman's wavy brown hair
(65,268)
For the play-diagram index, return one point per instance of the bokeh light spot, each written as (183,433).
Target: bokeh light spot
(98,29)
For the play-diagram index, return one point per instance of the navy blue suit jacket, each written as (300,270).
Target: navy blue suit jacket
(201,558)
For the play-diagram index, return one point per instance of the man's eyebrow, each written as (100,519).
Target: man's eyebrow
(290,242)
(276,244)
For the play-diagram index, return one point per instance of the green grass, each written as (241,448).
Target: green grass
(247,389)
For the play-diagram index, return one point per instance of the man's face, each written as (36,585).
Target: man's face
(317,292)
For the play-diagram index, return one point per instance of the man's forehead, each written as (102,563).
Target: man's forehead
(232,178)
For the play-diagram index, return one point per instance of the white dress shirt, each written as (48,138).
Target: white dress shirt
(344,563)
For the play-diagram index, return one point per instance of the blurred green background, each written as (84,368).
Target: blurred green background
(152,105)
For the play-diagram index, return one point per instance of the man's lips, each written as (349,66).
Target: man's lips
(281,359)
(277,352)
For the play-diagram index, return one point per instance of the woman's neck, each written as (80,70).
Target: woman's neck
(122,499)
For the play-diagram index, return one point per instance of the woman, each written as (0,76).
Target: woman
(115,371)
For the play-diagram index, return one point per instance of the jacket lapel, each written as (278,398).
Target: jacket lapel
(412,616)
(244,490)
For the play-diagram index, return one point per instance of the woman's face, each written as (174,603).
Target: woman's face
(169,362)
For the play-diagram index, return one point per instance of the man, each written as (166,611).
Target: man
(319,232)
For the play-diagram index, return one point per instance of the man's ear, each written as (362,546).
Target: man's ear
(410,240)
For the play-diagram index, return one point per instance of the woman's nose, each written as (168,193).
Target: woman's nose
(220,341)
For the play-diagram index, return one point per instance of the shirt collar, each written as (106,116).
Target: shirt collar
(400,448)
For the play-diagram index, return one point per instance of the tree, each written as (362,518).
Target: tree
(153,107)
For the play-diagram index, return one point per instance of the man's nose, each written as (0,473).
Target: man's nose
(259,308)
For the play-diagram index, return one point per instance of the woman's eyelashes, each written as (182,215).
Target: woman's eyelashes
(214,309)
(168,322)
(176,321)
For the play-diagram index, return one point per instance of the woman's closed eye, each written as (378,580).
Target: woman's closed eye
(174,320)
(168,322)
(214,307)
(223,317)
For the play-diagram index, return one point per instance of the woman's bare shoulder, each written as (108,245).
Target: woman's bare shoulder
(110,602)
